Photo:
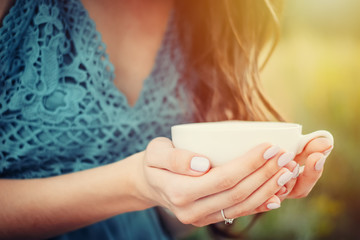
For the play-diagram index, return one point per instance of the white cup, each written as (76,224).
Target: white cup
(224,141)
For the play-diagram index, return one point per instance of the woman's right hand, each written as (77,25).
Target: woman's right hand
(184,182)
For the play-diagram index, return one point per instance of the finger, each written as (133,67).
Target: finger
(288,188)
(226,176)
(292,166)
(273,203)
(239,193)
(283,192)
(248,185)
(255,200)
(312,172)
(161,153)
(265,192)
(181,190)
(321,145)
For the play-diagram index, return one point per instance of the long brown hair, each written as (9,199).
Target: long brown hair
(223,41)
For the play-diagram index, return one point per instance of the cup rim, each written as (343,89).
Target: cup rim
(262,125)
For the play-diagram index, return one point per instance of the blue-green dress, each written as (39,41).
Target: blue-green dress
(60,111)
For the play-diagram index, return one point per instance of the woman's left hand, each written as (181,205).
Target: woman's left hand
(312,158)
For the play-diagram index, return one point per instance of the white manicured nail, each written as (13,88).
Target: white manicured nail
(285,158)
(327,152)
(301,169)
(200,164)
(270,152)
(284,178)
(273,205)
(296,171)
(320,164)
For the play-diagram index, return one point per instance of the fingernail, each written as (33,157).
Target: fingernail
(199,164)
(270,152)
(301,169)
(291,165)
(320,164)
(284,178)
(273,205)
(296,171)
(285,158)
(284,194)
(327,152)
(282,191)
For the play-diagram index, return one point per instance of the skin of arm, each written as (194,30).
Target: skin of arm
(40,208)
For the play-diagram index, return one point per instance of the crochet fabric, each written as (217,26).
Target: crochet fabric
(59,109)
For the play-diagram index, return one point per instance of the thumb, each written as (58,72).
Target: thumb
(161,153)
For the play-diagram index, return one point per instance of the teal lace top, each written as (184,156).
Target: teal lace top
(60,111)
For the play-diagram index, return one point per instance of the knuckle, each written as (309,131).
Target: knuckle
(253,164)
(152,144)
(156,142)
(175,161)
(185,218)
(151,151)
(178,198)
(237,196)
(157,151)
(148,159)
(225,182)
(270,191)
(247,213)
(239,212)
(173,164)
(269,172)
(314,156)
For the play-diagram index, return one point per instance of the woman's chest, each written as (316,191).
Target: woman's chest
(60,110)
(72,128)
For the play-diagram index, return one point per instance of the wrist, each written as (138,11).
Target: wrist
(138,188)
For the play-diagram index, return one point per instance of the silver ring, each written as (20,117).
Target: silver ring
(227,220)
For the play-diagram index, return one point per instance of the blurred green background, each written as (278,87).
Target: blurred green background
(313,78)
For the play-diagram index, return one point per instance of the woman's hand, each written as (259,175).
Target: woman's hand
(313,158)
(176,179)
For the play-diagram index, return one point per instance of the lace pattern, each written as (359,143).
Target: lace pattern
(60,111)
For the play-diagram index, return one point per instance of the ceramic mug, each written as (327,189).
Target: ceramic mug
(227,140)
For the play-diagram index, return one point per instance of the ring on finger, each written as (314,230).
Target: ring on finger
(227,220)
